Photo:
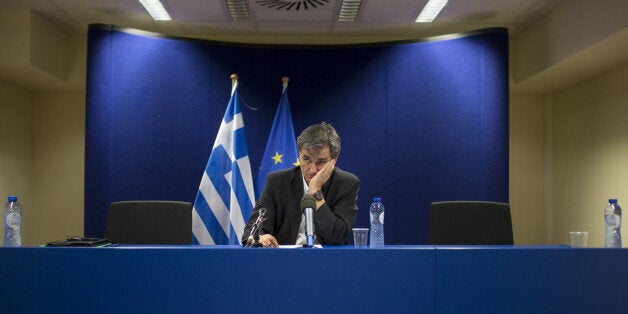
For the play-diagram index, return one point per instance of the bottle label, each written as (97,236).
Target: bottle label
(613,221)
(13,221)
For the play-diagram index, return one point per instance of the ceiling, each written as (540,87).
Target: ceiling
(210,18)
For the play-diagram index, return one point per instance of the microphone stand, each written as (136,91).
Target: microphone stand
(253,239)
(307,207)
(309,227)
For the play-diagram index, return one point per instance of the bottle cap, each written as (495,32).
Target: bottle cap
(377,199)
(12,198)
(612,200)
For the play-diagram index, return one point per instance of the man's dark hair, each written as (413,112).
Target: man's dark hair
(316,136)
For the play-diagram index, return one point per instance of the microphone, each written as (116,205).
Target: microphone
(250,241)
(307,206)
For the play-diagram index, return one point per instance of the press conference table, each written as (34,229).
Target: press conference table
(394,279)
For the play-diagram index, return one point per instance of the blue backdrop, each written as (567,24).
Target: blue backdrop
(419,121)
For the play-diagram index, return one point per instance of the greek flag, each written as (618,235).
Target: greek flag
(225,196)
(281,148)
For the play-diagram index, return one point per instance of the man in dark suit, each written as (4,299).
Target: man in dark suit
(334,190)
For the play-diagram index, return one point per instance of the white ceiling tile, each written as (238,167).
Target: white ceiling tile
(210,28)
(103,9)
(195,10)
(363,29)
(390,11)
(293,28)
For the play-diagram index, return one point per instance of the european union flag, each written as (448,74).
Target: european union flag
(225,196)
(281,148)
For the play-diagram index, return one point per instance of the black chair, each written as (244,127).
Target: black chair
(470,223)
(149,222)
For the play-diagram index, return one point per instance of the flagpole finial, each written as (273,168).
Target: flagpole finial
(234,78)
(285,81)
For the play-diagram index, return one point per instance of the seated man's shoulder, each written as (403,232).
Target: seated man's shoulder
(284,172)
(345,175)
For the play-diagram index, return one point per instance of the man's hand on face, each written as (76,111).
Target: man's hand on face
(322,176)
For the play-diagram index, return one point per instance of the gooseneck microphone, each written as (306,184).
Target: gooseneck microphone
(307,206)
(250,241)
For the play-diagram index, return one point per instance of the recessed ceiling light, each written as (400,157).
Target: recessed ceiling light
(431,10)
(156,10)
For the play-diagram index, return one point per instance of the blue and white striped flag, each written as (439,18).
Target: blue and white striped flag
(225,196)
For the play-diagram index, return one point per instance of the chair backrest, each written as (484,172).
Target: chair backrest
(149,222)
(470,222)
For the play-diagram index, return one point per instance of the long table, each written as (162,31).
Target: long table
(394,279)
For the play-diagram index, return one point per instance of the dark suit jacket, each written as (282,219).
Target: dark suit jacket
(282,195)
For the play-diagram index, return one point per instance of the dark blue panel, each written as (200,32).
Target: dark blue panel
(217,280)
(98,131)
(448,137)
(531,280)
(419,122)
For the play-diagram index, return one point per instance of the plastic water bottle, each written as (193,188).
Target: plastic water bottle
(12,222)
(612,220)
(377,223)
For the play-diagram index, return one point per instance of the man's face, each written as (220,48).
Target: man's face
(311,161)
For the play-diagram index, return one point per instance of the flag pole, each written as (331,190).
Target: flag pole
(234,79)
(285,81)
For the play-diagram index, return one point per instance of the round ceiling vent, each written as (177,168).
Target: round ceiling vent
(292,4)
